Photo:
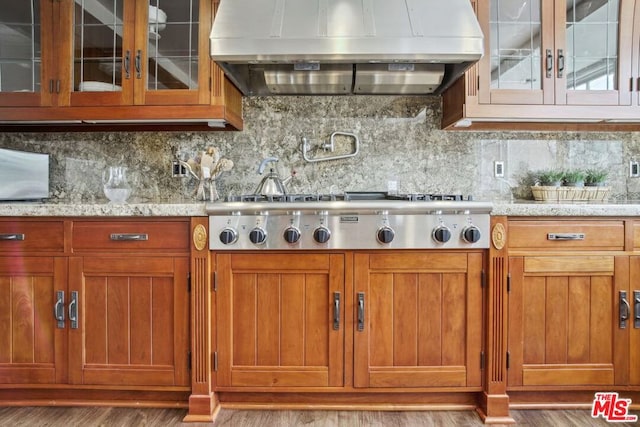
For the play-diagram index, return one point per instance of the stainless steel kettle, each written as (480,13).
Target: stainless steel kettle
(271,184)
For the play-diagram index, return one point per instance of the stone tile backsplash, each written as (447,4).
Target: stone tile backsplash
(400,141)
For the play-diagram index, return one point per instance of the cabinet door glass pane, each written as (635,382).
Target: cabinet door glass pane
(20,53)
(173,44)
(515,44)
(592,44)
(98,27)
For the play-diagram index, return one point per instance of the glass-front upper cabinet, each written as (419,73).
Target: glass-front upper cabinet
(145,52)
(574,52)
(26,76)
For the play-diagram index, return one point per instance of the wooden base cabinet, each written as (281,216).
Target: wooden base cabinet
(97,310)
(564,320)
(32,343)
(33,285)
(280,320)
(130,321)
(418,319)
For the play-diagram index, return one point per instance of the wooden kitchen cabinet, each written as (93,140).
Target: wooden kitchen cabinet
(108,62)
(564,300)
(633,325)
(550,61)
(31,73)
(33,282)
(128,283)
(418,319)
(280,320)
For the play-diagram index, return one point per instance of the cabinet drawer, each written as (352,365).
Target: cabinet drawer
(31,236)
(141,236)
(570,235)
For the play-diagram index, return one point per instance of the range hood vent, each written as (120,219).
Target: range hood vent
(340,47)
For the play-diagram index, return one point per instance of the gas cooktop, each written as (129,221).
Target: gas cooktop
(353,220)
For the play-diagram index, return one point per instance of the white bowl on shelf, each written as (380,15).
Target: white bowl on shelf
(98,87)
(157,15)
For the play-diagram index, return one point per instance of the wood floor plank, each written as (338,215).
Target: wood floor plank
(129,417)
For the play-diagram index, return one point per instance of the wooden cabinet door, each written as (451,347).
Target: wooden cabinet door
(564,321)
(133,321)
(593,43)
(518,35)
(29,54)
(633,325)
(32,344)
(418,319)
(277,324)
(176,62)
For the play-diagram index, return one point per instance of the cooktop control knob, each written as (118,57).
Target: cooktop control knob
(291,235)
(471,234)
(385,234)
(228,236)
(258,236)
(321,234)
(441,234)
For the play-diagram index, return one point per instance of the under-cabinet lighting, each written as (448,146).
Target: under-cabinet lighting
(39,122)
(214,123)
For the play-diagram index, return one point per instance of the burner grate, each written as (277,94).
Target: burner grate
(352,195)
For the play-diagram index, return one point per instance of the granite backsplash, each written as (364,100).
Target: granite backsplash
(400,141)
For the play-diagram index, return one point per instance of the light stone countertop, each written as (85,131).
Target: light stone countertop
(182,208)
(532,208)
(190,208)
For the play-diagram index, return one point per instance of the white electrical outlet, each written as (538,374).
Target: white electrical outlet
(498,169)
(634,169)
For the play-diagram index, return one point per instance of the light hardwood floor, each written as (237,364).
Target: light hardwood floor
(127,417)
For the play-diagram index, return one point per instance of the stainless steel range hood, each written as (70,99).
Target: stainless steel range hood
(305,47)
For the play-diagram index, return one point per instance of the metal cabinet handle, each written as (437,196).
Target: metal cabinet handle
(624,309)
(127,65)
(51,86)
(566,236)
(73,310)
(549,63)
(636,309)
(360,311)
(129,237)
(139,64)
(57,86)
(58,309)
(560,63)
(12,236)
(336,311)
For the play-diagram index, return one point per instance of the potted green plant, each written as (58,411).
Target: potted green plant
(574,178)
(596,177)
(551,178)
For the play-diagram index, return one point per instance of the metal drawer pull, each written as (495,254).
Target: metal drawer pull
(58,309)
(12,236)
(336,311)
(129,237)
(623,310)
(360,311)
(73,310)
(636,309)
(566,236)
